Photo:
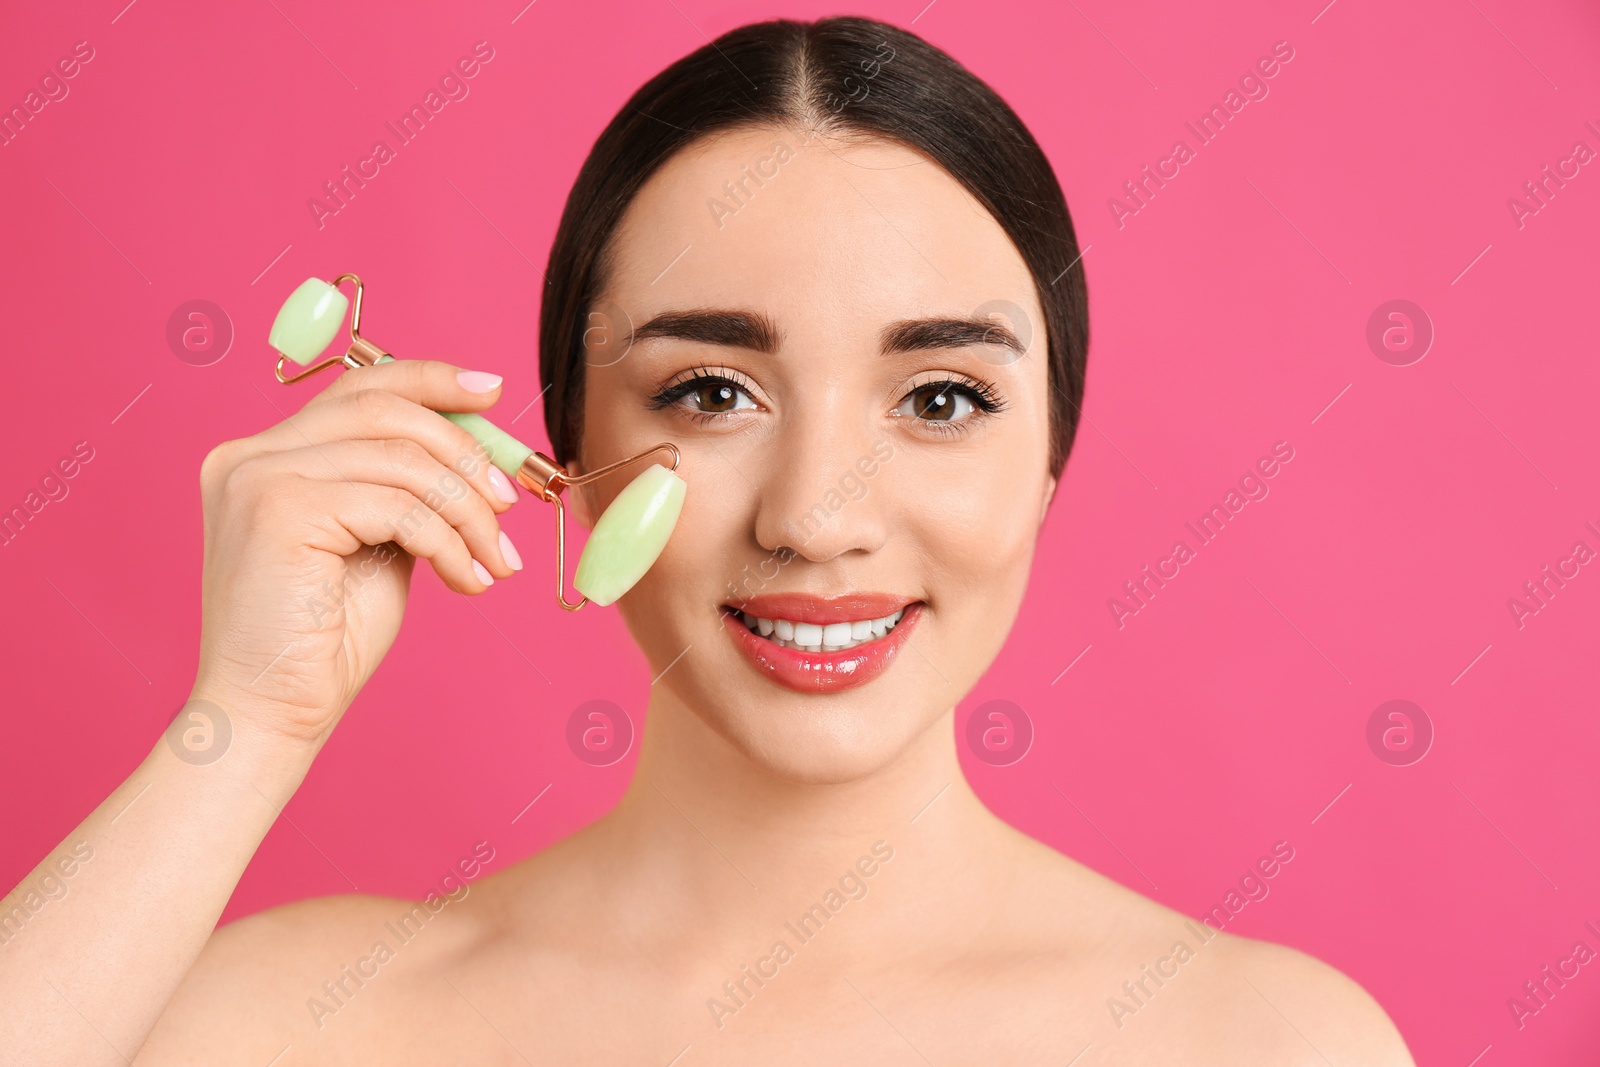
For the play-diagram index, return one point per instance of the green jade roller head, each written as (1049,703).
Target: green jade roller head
(626,540)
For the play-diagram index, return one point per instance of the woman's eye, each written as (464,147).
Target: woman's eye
(706,395)
(719,397)
(946,405)
(937,402)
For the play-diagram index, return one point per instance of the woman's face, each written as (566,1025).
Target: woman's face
(825,450)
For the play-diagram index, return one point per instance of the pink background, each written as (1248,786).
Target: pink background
(1229,314)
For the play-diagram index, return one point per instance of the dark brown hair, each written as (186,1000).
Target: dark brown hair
(843,76)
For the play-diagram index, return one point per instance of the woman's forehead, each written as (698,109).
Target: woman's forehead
(830,231)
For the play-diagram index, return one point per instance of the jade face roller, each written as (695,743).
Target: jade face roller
(626,540)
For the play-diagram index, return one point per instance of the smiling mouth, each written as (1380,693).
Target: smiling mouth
(817,637)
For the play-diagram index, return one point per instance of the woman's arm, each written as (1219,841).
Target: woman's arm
(99,935)
(302,594)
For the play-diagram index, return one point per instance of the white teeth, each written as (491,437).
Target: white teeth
(814,637)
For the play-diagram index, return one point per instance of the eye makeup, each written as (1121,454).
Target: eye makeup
(697,379)
(941,390)
(937,392)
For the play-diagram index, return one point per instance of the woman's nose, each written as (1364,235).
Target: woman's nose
(823,490)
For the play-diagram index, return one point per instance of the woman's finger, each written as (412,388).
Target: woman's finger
(347,515)
(377,414)
(402,463)
(432,383)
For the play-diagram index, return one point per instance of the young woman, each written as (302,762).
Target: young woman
(836,271)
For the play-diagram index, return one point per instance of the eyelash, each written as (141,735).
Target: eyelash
(984,397)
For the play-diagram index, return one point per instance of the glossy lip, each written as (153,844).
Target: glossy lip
(803,607)
(821,673)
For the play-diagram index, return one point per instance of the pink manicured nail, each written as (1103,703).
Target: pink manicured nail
(477,381)
(502,485)
(509,551)
(483,574)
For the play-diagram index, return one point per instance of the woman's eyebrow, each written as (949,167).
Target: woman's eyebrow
(755,331)
(912,335)
(714,326)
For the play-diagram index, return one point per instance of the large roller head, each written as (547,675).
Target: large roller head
(629,537)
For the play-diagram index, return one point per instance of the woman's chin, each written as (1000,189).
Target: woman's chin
(815,746)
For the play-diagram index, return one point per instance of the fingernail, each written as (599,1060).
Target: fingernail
(509,551)
(502,485)
(483,574)
(477,381)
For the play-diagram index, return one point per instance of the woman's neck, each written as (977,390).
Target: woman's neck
(706,831)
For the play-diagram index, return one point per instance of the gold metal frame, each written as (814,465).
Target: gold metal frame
(362,353)
(539,474)
(546,478)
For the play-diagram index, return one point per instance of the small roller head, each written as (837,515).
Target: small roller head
(308,321)
(629,537)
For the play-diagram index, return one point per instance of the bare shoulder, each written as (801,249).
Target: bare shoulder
(271,981)
(1332,1016)
(1157,985)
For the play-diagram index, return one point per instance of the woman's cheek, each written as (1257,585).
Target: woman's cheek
(982,551)
(985,524)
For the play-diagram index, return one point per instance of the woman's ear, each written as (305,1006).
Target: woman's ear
(1049,495)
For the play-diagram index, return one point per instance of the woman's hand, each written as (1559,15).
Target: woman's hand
(304,587)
